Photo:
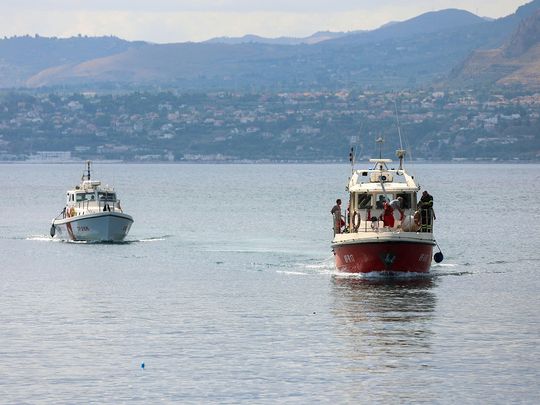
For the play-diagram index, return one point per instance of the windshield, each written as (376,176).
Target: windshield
(364,200)
(107,196)
(382,198)
(85,197)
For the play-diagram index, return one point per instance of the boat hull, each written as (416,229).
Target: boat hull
(99,227)
(384,256)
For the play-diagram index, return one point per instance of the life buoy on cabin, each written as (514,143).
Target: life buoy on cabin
(417,218)
(356,221)
(411,223)
(408,225)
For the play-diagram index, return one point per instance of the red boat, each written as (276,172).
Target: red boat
(386,228)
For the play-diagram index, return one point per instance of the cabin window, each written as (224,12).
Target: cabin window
(364,201)
(107,196)
(407,197)
(85,197)
(381,199)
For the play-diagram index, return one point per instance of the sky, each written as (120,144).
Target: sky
(166,21)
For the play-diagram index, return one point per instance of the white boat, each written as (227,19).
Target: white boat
(92,213)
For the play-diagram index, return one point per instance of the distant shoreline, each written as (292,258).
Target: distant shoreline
(264,162)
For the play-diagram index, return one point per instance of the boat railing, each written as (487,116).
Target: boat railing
(89,206)
(61,215)
(372,221)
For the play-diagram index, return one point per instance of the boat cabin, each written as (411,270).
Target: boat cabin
(89,197)
(370,194)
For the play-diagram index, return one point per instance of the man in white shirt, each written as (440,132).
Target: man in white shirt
(396,205)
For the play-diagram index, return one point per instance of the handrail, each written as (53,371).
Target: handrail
(366,225)
(98,205)
(85,207)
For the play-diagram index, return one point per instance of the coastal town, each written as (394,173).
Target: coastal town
(437,125)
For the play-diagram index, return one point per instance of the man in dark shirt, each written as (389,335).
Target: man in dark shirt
(426,211)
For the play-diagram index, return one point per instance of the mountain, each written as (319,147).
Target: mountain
(393,56)
(312,39)
(431,22)
(24,56)
(525,37)
(517,62)
(416,52)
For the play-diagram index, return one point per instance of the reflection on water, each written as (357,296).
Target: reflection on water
(388,317)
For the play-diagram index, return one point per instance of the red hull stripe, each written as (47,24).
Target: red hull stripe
(389,256)
(70,231)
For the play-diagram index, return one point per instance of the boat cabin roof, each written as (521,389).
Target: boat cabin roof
(91,186)
(381,179)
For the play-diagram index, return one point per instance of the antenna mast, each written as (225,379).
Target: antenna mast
(398,126)
(380,141)
(400,153)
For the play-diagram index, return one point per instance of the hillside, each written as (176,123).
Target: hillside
(517,62)
(22,57)
(206,63)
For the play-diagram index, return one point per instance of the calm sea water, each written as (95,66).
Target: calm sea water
(226,291)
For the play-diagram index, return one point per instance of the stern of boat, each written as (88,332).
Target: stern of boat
(399,252)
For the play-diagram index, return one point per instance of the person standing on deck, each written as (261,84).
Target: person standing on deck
(388,215)
(427,214)
(397,205)
(336,214)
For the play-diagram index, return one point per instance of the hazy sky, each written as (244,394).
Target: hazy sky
(196,20)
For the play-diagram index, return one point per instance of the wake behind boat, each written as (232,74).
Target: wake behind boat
(372,239)
(92,213)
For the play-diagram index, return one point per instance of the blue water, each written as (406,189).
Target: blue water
(226,291)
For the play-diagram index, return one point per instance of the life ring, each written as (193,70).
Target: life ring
(417,218)
(356,221)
